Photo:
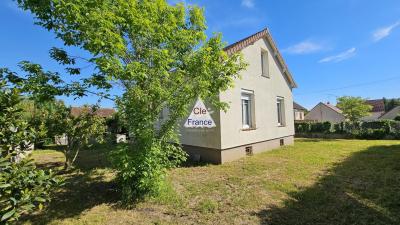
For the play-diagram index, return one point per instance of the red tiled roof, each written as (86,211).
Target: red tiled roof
(378,105)
(240,45)
(102,112)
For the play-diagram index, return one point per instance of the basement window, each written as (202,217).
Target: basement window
(249,150)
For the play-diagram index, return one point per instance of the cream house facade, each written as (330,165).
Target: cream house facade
(261,113)
(324,112)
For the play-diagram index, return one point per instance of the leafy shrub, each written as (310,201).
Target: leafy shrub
(372,133)
(302,127)
(381,124)
(367,130)
(23,188)
(324,127)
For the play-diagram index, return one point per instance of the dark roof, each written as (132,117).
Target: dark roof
(392,114)
(102,112)
(240,45)
(378,105)
(298,107)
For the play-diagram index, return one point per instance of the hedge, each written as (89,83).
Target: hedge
(384,129)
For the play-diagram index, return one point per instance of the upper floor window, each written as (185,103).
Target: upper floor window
(247,109)
(280,105)
(264,63)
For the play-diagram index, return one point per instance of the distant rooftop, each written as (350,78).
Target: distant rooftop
(378,105)
(102,112)
(298,107)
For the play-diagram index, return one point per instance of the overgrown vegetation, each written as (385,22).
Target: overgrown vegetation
(159,54)
(23,187)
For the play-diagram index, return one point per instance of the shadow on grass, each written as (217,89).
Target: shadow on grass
(364,189)
(85,186)
(80,192)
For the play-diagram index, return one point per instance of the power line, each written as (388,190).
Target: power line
(352,86)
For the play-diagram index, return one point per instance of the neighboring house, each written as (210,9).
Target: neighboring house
(260,116)
(378,109)
(299,112)
(392,114)
(325,112)
(102,112)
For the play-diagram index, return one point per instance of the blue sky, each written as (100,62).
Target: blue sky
(333,48)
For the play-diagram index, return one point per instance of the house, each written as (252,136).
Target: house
(260,116)
(378,109)
(392,114)
(299,112)
(323,112)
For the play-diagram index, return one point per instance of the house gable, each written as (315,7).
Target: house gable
(274,52)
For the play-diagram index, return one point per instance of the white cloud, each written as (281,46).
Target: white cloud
(339,57)
(304,47)
(383,32)
(248,3)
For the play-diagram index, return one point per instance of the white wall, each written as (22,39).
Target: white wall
(203,137)
(266,90)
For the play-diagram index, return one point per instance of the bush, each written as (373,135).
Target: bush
(367,130)
(381,124)
(23,188)
(324,127)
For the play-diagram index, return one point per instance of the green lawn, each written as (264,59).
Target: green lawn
(313,182)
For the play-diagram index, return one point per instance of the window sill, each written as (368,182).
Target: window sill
(281,125)
(266,76)
(248,129)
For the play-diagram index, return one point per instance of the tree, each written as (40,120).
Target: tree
(354,108)
(46,118)
(23,187)
(160,56)
(82,131)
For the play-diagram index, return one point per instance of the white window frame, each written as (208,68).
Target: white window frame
(280,106)
(247,99)
(265,63)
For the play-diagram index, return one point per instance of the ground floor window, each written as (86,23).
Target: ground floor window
(280,105)
(247,109)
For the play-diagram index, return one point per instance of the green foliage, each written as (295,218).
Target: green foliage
(324,127)
(366,130)
(82,131)
(23,187)
(354,108)
(160,55)
(397,118)
(47,118)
